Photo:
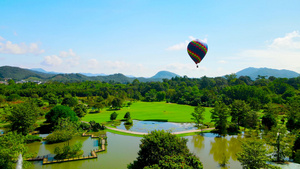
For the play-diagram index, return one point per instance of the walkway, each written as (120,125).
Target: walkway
(140,133)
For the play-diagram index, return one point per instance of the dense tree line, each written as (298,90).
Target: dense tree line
(271,104)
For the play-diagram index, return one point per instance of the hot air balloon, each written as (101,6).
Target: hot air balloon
(197,49)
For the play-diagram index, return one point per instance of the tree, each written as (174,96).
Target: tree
(117,103)
(253,155)
(60,111)
(127,115)
(252,119)
(13,97)
(282,143)
(219,115)
(2,100)
(113,116)
(11,145)
(23,117)
(80,110)
(198,116)
(296,149)
(160,149)
(70,101)
(68,151)
(63,131)
(239,110)
(268,120)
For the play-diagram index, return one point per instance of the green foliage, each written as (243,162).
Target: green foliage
(253,155)
(60,112)
(296,149)
(269,120)
(252,119)
(96,126)
(219,115)
(113,116)
(13,97)
(11,145)
(68,151)
(117,103)
(128,121)
(70,101)
(2,100)
(239,111)
(23,117)
(174,162)
(198,116)
(32,138)
(64,130)
(158,146)
(80,110)
(282,143)
(127,115)
(84,126)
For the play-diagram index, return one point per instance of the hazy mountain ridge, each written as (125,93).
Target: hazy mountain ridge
(254,72)
(17,73)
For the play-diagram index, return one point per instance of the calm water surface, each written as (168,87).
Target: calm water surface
(147,126)
(122,150)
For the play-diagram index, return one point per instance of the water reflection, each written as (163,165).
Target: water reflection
(147,126)
(122,150)
(197,140)
(225,148)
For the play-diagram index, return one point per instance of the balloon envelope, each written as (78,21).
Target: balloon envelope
(197,49)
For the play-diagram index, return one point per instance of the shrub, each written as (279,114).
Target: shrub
(127,115)
(31,138)
(113,116)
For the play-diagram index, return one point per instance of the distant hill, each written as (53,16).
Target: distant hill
(40,70)
(17,73)
(164,75)
(254,72)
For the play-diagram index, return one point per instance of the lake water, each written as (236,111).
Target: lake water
(122,150)
(147,126)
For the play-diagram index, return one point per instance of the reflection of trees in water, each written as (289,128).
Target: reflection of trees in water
(197,140)
(225,147)
(127,127)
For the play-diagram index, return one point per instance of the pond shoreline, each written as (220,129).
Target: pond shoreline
(176,133)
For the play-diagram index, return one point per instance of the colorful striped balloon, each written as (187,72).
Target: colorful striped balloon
(197,49)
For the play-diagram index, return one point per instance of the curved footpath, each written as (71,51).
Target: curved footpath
(140,133)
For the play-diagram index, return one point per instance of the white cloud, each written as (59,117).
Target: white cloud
(68,53)
(10,48)
(93,64)
(67,59)
(1,38)
(183,45)
(290,41)
(282,53)
(52,60)
(222,61)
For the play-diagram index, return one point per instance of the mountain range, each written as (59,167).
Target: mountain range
(39,74)
(254,72)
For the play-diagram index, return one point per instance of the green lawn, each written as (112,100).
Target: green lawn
(151,111)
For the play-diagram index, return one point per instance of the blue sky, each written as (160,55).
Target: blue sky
(142,37)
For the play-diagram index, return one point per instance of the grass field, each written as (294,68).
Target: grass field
(151,111)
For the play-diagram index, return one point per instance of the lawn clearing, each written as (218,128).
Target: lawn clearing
(151,111)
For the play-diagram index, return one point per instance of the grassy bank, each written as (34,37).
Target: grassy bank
(151,111)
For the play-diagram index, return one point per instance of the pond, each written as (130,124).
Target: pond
(122,150)
(147,126)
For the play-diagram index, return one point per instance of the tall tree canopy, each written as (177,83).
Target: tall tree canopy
(160,149)
(23,117)
(60,112)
